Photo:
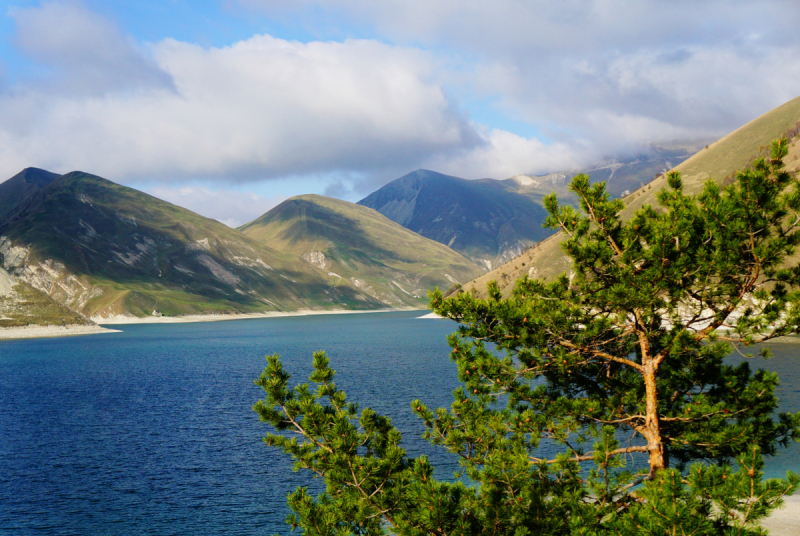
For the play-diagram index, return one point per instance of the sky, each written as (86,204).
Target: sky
(228,107)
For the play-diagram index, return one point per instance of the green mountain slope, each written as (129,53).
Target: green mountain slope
(20,303)
(355,247)
(484,220)
(719,162)
(103,249)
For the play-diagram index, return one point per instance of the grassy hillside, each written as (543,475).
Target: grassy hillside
(356,248)
(718,162)
(104,249)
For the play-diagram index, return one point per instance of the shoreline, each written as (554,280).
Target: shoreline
(70,330)
(121,319)
(43,332)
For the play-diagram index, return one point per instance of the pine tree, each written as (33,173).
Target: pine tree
(619,365)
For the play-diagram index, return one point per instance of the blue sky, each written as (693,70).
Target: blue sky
(229,106)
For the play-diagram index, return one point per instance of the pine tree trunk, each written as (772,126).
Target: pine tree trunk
(652,429)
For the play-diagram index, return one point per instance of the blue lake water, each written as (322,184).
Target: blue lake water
(151,431)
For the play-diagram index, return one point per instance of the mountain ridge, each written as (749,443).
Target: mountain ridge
(78,246)
(492,221)
(19,188)
(484,219)
(360,247)
(103,249)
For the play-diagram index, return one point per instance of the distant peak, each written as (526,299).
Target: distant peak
(423,174)
(38,173)
(34,176)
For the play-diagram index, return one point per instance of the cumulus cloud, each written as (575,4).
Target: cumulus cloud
(597,77)
(506,154)
(614,72)
(258,109)
(86,53)
(233,208)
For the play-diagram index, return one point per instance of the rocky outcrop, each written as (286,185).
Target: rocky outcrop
(48,276)
(316,258)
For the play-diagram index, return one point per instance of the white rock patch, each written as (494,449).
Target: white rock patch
(218,270)
(13,256)
(250,263)
(316,258)
(524,180)
(7,283)
(90,232)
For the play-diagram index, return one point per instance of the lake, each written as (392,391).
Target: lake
(150,431)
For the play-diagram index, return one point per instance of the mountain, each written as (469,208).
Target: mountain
(356,247)
(493,221)
(102,249)
(718,161)
(19,188)
(20,303)
(486,220)
(632,173)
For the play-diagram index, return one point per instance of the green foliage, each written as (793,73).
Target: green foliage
(620,364)
(369,479)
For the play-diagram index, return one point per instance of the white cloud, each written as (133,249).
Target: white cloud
(596,76)
(649,95)
(512,27)
(86,53)
(230,207)
(506,154)
(260,108)
(612,72)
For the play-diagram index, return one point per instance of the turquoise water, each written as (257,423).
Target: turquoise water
(150,431)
